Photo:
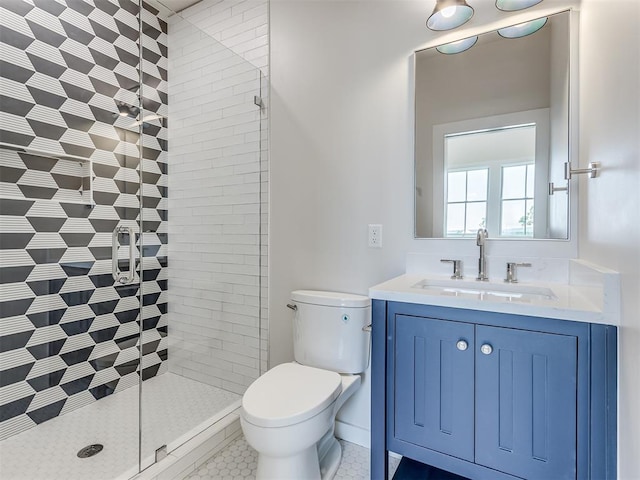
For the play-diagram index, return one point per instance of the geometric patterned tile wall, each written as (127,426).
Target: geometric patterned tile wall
(68,334)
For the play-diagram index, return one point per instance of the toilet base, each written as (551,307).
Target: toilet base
(321,462)
(279,457)
(290,467)
(330,461)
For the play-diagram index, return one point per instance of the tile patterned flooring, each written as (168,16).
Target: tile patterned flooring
(173,407)
(48,451)
(239,462)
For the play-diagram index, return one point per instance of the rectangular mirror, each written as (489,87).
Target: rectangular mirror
(492,136)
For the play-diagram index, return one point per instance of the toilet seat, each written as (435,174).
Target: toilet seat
(295,393)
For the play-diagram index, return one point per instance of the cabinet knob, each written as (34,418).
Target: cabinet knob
(462,345)
(486,349)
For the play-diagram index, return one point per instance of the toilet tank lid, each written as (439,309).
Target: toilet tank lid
(331,299)
(288,394)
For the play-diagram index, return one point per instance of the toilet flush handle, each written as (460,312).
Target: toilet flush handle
(292,307)
(367,328)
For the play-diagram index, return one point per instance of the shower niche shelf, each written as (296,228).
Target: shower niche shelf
(30,174)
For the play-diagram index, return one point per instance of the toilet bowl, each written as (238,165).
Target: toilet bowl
(288,414)
(293,431)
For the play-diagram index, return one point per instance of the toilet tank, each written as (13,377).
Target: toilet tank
(328,330)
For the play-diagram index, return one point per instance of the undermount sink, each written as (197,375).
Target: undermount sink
(486,291)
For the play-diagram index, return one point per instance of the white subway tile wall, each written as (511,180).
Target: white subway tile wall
(218,193)
(240,25)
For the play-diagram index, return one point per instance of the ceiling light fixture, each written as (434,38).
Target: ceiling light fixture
(523,29)
(458,46)
(513,5)
(449,14)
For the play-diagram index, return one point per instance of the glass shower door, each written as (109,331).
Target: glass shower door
(69,215)
(201,310)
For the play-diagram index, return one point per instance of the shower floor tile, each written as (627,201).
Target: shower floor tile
(239,462)
(174,407)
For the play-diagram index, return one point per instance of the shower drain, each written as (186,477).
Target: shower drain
(90,450)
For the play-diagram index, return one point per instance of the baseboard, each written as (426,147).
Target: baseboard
(353,434)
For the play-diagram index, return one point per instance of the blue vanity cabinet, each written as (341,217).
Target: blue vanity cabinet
(434,397)
(493,396)
(526,399)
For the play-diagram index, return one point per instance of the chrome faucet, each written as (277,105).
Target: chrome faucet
(481,237)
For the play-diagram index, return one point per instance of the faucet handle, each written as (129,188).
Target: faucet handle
(512,272)
(457,268)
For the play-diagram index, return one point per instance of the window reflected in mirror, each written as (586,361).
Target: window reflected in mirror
(492,160)
(466,201)
(517,205)
(491,134)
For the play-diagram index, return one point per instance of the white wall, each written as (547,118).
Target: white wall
(342,147)
(610,204)
(340,150)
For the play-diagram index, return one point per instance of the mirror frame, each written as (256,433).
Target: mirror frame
(573,140)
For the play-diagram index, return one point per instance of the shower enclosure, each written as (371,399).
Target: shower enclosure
(133,175)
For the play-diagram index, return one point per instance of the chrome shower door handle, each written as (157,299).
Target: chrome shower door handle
(132,255)
(119,276)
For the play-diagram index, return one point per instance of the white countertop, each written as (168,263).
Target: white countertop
(583,303)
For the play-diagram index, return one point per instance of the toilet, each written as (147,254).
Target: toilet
(288,414)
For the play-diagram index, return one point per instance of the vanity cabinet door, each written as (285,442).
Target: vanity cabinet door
(434,393)
(526,394)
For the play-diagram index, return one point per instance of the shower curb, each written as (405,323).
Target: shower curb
(192,454)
